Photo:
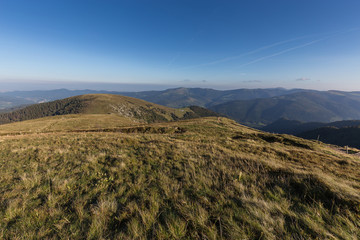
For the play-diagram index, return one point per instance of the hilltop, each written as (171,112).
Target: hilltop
(133,108)
(75,176)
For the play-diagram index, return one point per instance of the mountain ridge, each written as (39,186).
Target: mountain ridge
(206,95)
(301,106)
(341,133)
(343,136)
(254,107)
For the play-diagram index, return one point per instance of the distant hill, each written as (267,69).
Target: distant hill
(295,127)
(181,97)
(345,136)
(311,106)
(7,102)
(105,104)
(342,133)
(177,97)
(39,96)
(253,107)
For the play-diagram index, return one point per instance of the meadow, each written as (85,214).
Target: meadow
(206,178)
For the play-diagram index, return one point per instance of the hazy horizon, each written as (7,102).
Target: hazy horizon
(124,87)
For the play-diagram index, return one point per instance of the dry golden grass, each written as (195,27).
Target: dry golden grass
(67,122)
(204,178)
(127,106)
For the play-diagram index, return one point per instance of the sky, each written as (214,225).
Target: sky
(142,45)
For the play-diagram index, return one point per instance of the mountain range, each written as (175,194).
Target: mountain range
(177,97)
(253,107)
(302,106)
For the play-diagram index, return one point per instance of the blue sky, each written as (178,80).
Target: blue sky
(218,44)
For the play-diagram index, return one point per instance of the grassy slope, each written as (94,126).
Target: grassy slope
(67,123)
(201,178)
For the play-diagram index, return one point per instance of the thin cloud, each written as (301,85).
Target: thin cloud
(193,81)
(302,79)
(252,52)
(248,53)
(252,81)
(300,46)
(174,59)
(178,55)
(329,35)
(282,52)
(185,80)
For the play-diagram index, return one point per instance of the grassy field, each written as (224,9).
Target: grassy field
(208,178)
(68,122)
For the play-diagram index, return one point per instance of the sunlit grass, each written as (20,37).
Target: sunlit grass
(214,179)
